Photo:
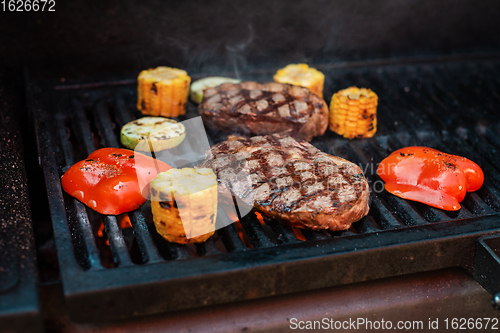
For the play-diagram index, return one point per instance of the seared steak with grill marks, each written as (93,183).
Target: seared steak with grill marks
(251,108)
(293,182)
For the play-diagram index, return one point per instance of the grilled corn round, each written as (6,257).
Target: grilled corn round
(184,204)
(353,113)
(302,75)
(163,91)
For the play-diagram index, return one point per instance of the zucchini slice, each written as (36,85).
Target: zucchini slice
(152,134)
(196,92)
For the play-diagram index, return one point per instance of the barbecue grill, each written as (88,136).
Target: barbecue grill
(117,272)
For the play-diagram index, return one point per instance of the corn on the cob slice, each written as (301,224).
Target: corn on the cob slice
(163,91)
(152,133)
(302,75)
(353,113)
(184,204)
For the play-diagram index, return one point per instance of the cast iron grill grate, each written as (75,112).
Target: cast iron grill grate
(131,270)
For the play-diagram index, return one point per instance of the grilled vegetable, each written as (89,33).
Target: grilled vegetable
(184,204)
(429,176)
(196,92)
(152,134)
(163,91)
(110,180)
(353,113)
(302,75)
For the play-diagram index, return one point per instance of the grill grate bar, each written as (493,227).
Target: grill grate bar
(490,196)
(484,149)
(343,233)
(491,137)
(123,113)
(311,235)
(432,214)
(229,236)
(490,80)
(470,94)
(81,125)
(423,116)
(370,171)
(103,122)
(367,225)
(458,97)
(117,244)
(284,233)
(480,207)
(387,220)
(85,229)
(178,251)
(84,226)
(67,150)
(256,235)
(144,240)
(409,215)
(395,102)
(207,248)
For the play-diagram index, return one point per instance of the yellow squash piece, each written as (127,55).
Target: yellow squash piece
(163,91)
(184,204)
(353,113)
(302,75)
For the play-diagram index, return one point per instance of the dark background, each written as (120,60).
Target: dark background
(84,38)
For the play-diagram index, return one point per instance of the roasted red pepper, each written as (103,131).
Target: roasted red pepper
(110,180)
(429,176)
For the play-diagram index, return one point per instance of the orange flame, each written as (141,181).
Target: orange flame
(299,234)
(260,218)
(123,223)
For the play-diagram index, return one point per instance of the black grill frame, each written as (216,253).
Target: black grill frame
(398,237)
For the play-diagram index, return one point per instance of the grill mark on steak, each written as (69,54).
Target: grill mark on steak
(292,181)
(252,108)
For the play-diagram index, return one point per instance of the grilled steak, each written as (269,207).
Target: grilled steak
(291,181)
(251,108)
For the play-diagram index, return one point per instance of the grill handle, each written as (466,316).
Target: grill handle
(486,269)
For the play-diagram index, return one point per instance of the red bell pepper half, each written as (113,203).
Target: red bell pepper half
(429,176)
(112,180)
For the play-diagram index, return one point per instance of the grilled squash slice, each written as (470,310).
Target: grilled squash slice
(302,75)
(152,134)
(184,204)
(163,91)
(197,87)
(353,113)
